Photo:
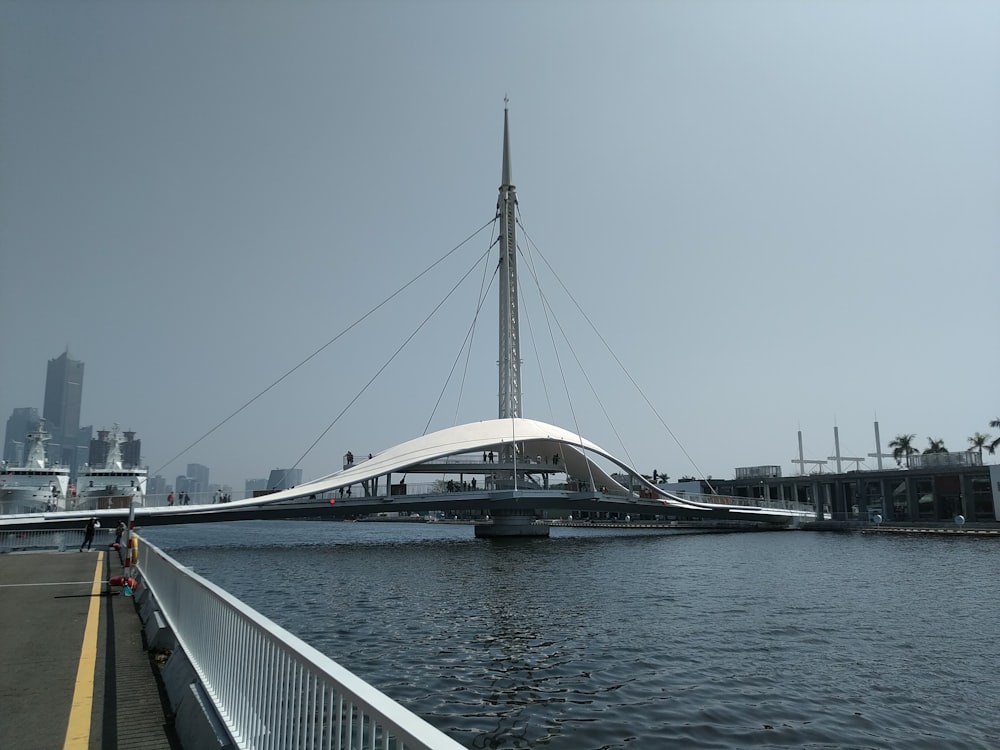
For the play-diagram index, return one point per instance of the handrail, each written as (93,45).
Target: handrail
(48,539)
(270,688)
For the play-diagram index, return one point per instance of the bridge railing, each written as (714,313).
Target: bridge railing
(270,688)
(31,540)
(749,502)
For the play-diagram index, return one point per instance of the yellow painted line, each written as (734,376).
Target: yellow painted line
(78,728)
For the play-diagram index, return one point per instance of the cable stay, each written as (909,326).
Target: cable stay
(617,360)
(549,317)
(466,346)
(389,361)
(340,335)
(546,310)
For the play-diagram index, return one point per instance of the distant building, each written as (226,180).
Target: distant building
(283,479)
(156,490)
(20,422)
(61,410)
(198,473)
(195,484)
(936,487)
(253,485)
(758,472)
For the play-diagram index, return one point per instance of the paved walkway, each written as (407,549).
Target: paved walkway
(73,670)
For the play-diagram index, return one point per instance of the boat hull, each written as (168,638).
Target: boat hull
(102,490)
(34,492)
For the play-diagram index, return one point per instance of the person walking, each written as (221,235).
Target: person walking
(119,530)
(88,534)
(170,499)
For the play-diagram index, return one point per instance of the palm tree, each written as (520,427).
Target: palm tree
(979,441)
(935,446)
(902,447)
(993,446)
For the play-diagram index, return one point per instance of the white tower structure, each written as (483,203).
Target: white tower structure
(510,345)
(519,521)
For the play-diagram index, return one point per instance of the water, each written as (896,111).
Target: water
(610,639)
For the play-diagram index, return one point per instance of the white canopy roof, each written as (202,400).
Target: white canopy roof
(535,438)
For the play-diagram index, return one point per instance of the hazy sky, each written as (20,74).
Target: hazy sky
(776,214)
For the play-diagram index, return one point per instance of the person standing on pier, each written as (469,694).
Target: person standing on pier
(88,534)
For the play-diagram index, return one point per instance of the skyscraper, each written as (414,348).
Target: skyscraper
(61,410)
(21,421)
(198,473)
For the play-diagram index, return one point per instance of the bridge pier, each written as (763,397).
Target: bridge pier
(509,523)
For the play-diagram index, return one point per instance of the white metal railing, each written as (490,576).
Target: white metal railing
(929,460)
(749,502)
(48,539)
(271,689)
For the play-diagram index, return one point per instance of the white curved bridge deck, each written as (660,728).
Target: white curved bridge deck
(366,486)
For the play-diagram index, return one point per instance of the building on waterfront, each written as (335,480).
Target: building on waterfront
(61,409)
(21,421)
(935,487)
(251,486)
(283,479)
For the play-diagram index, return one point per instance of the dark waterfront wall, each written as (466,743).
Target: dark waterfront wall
(612,639)
(926,494)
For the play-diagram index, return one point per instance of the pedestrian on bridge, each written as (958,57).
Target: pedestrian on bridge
(88,534)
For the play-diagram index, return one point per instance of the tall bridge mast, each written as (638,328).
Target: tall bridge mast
(510,344)
(509,521)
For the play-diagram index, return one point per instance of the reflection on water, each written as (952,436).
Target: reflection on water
(608,639)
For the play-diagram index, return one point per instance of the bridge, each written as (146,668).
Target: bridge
(511,468)
(506,468)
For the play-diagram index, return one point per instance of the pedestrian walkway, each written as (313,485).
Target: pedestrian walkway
(74,673)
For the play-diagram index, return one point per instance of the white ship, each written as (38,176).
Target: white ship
(112,485)
(37,486)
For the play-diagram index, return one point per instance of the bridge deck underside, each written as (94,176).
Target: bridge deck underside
(479,501)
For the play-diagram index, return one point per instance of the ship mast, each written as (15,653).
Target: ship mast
(510,349)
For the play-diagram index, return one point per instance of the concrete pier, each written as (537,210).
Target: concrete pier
(507,523)
(76,673)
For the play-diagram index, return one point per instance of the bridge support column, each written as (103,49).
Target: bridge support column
(512,523)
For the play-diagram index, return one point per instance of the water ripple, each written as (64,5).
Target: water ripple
(602,640)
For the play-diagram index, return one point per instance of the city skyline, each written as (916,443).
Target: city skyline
(744,220)
(23,420)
